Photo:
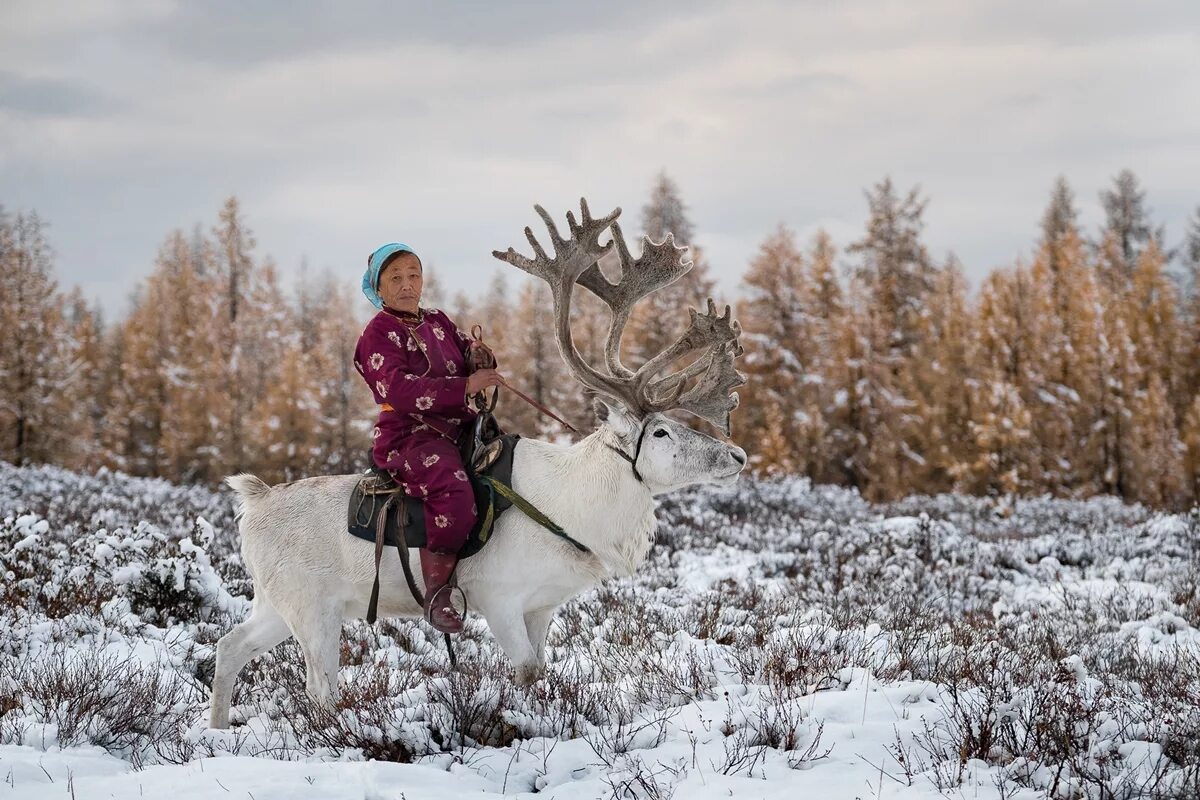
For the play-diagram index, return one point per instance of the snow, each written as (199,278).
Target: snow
(785,640)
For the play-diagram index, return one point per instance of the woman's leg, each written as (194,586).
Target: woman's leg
(438,477)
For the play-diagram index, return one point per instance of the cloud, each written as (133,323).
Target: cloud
(48,97)
(340,128)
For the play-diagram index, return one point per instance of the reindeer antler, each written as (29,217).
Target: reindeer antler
(660,264)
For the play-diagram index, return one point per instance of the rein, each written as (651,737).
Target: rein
(477,343)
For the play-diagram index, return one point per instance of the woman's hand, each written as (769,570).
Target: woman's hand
(482,379)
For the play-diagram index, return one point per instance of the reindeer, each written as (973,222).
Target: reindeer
(309,574)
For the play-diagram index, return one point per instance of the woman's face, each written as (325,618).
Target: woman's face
(400,283)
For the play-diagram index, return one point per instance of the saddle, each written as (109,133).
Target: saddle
(377,496)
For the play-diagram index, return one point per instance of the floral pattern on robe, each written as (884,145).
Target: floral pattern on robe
(419,371)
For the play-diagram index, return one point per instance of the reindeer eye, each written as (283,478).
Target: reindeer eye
(660,432)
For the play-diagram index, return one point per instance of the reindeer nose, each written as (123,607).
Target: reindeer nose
(739,455)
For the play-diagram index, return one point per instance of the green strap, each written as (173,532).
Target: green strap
(486,530)
(529,509)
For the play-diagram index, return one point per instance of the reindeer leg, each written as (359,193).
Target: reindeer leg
(261,631)
(537,625)
(319,632)
(507,624)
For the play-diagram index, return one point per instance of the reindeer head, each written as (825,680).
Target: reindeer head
(665,453)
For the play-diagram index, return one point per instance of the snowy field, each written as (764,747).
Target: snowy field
(784,641)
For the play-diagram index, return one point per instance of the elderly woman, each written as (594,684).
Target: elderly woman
(414,361)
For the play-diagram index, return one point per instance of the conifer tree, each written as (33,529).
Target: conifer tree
(943,369)
(1061,388)
(347,408)
(775,337)
(95,367)
(660,317)
(534,365)
(893,283)
(1003,455)
(233,266)
(1127,222)
(1190,436)
(1059,218)
(1189,375)
(138,414)
(1156,476)
(37,383)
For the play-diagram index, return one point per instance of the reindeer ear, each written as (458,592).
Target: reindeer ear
(599,407)
(611,413)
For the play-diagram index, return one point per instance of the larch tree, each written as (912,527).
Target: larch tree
(1127,222)
(659,318)
(1157,475)
(138,413)
(942,369)
(1003,455)
(895,279)
(347,409)
(826,304)
(493,313)
(1060,390)
(777,341)
(1190,348)
(38,379)
(535,366)
(96,369)
(1059,219)
(1190,436)
(234,267)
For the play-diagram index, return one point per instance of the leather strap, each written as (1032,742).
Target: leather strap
(402,549)
(380,535)
(636,453)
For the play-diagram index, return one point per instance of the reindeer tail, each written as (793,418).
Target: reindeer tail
(249,488)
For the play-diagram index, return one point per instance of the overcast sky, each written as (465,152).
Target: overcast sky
(341,126)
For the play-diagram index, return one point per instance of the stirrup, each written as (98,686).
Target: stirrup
(428,610)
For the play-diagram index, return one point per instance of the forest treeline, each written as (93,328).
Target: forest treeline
(1073,372)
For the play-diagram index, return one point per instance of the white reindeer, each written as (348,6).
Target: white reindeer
(309,574)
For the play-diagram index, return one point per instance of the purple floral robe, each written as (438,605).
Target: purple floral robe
(419,370)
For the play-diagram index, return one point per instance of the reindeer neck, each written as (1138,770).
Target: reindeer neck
(620,506)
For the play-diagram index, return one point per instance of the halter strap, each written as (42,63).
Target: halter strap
(636,453)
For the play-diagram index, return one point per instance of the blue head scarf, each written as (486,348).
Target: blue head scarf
(370,281)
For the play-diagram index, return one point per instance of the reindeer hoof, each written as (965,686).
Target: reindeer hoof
(529,674)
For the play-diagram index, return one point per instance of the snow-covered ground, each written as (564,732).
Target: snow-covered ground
(785,640)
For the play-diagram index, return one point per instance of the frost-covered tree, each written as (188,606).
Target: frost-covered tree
(96,368)
(777,337)
(943,373)
(894,280)
(791,313)
(233,264)
(1190,348)
(533,365)
(38,382)
(347,409)
(1126,223)
(658,319)
(1190,436)
(1059,219)
(895,268)
(1004,376)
